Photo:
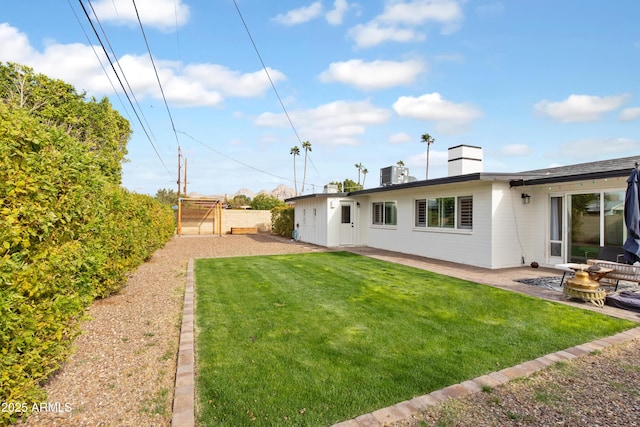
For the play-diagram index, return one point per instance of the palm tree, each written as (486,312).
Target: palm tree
(306,146)
(400,163)
(359,166)
(365,171)
(429,140)
(296,152)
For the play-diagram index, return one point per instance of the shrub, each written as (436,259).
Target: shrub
(68,234)
(282,220)
(265,202)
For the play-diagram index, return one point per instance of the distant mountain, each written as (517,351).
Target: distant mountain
(244,192)
(282,192)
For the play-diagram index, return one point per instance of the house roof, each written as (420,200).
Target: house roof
(593,170)
(620,167)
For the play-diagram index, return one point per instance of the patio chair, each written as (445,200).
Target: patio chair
(621,271)
(607,253)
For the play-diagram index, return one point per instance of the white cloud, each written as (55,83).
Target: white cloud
(300,15)
(400,138)
(14,45)
(405,21)
(601,148)
(231,82)
(630,114)
(437,159)
(337,123)
(162,14)
(335,16)
(373,75)
(373,34)
(84,71)
(449,116)
(183,85)
(516,150)
(580,108)
(417,12)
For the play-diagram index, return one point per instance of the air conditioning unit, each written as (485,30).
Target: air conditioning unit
(392,175)
(331,188)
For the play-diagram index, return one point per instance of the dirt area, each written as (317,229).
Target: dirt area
(123,368)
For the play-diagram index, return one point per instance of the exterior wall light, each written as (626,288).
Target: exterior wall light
(526,199)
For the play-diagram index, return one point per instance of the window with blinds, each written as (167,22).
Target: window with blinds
(465,212)
(444,212)
(385,213)
(421,213)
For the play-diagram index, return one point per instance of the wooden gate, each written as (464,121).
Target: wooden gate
(199,216)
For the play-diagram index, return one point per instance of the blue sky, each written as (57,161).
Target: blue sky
(535,83)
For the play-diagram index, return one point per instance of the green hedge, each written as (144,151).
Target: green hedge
(67,235)
(282,220)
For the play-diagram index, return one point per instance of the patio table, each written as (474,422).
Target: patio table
(594,296)
(572,267)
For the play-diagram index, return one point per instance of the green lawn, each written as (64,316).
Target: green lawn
(314,339)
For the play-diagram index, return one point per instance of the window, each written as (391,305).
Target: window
(421,213)
(465,212)
(441,212)
(385,213)
(445,212)
(345,217)
(555,227)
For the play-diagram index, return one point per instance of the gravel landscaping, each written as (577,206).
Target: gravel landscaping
(601,389)
(123,369)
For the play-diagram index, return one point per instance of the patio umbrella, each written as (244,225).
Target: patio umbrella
(632,217)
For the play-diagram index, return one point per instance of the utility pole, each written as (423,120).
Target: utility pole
(179,165)
(185,177)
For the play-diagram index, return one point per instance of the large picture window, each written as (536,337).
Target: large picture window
(445,212)
(385,213)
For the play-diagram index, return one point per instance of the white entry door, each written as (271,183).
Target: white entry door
(347,226)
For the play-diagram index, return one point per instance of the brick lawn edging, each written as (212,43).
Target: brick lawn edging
(184,391)
(397,412)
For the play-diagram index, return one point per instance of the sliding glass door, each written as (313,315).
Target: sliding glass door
(584,236)
(615,232)
(595,220)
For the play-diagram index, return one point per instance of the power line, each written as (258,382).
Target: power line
(236,160)
(255,47)
(99,61)
(233,159)
(95,31)
(124,76)
(275,90)
(155,70)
